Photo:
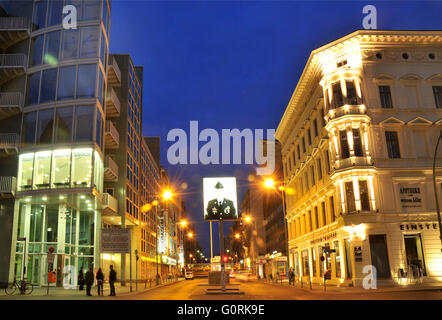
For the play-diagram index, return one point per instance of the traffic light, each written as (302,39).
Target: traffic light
(225,258)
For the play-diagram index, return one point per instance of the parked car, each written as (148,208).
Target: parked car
(189,275)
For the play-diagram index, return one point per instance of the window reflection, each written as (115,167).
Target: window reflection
(52,44)
(37,50)
(45,126)
(55,12)
(48,84)
(61,168)
(63,117)
(25,171)
(86,81)
(42,169)
(91,10)
(39,19)
(89,42)
(28,128)
(84,123)
(82,168)
(34,86)
(70,44)
(66,83)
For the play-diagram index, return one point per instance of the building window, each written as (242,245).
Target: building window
(45,126)
(337,95)
(310,222)
(352,97)
(316,218)
(313,262)
(55,12)
(89,42)
(305,264)
(52,45)
(86,81)
(25,171)
(303,144)
(337,259)
(349,192)
(309,137)
(39,19)
(28,128)
(82,168)
(312,172)
(318,162)
(365,200)
(307,185)
(315,127)
(91,10)
(385,96)
(84,123)
(37,50)
(357,143)
(61,168)
(34,88)
(324,214)
(299,152)
(345,151)
(71,40)
(437,92)
(42,169)
(63,122)
(327,161)
(48,84)
(392,144)
(66,83)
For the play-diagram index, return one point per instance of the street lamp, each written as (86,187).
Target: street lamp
(435,188)
(237,236)
(269,183)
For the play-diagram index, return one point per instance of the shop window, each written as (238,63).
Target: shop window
(71,40)
(352,97)
(25,171)
(338,101)
(36,224)
(89,42)
(66,83)
(28,128)
(42,169)
(84,123)
(61,168)
(392,144)
(337,260)
(321,263)
(52,45)
(48,84)
(365,200)
(37,50)
(437,93)
(86,80)
(45,126)
(82,168)
(327,259)
(345,150)
(39,19)
(51,225)
(305,263)
(34,88)
(357,143)
(313,262)
(385,96)
(86,228)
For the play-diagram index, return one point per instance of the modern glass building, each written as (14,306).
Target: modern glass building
(55,103)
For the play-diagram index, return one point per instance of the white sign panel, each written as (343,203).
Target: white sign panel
(115,240)
(410,196)
(220,198)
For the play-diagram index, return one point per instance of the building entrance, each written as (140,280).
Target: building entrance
(415,255)
(379,255)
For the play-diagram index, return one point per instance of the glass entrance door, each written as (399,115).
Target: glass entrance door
(379,255)
(348,259)
(34,269)
(415,254)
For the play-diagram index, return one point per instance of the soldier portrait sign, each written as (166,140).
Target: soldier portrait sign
(220,198)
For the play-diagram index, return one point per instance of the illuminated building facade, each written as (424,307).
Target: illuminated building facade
(358,139)
(52,120)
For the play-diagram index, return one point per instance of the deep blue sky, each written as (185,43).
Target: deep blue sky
(234,65)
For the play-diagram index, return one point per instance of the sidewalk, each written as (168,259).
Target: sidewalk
(319,288)
(62,293)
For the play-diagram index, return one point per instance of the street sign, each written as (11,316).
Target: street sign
(115,240)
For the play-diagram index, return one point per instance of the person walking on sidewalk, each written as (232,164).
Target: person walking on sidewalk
(81,279)
(100,280)
(291,276)
(112,279)
(89,281)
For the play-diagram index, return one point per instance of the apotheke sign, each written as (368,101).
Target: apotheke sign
(410,197)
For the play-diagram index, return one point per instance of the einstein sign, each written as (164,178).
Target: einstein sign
(410,197)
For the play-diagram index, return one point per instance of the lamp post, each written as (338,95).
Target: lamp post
(270,184)
(435,187)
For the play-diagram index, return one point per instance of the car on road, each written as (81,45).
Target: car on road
(188,275)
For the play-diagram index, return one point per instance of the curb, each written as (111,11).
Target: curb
(148,289)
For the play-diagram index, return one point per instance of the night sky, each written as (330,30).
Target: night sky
(233,65)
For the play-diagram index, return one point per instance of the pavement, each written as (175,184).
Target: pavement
(60,293)
(253,290)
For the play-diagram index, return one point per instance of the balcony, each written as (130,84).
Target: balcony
(7,187)
(11,103)
(13,30)
(111,136)
(110,169)
(346,110)
(12,66)
(9,143)
(112,104)
(352,162)
(113,73)
(110,205)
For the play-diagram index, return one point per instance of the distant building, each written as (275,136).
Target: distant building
(358,138)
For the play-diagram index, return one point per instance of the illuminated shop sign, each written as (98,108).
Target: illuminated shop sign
(324,238)
(418,226)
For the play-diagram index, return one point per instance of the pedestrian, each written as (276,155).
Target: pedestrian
(89,281)
(81,279)
(271,277)
(291,276)
(100,280)
(112,279)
